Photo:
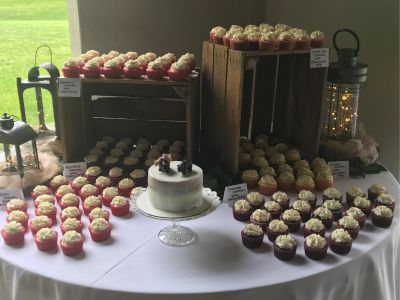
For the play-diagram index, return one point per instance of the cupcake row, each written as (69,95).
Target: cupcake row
(266,37)
(130,65)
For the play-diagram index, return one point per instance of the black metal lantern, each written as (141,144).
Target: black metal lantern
(345,79)
(16,133)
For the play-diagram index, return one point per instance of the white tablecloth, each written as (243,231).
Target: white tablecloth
(134,264)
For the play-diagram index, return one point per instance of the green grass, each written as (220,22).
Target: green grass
(24,26)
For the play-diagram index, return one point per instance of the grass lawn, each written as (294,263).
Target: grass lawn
(24,26)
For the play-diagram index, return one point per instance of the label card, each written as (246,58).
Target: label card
(7,195)
(319,58)
(73,170)
(340,169)
(69,87)
(233,193)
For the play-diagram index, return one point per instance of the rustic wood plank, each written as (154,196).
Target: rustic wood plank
(143,81)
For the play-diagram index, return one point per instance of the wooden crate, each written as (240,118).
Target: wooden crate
(246,93)
(130,108)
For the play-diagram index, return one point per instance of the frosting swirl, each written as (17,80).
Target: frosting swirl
(341,236)
(348,222)
(291,215)
(280,197)
(45,234)
(242,205)
(315,241)
(278,226)
(261,215)
(71,238)
(285,242)
(315,225)
(361,202)
(253,230)
(383,211)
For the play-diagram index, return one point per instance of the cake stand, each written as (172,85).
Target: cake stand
(175,235)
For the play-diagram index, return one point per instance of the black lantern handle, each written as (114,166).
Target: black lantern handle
(352,33)
(51,54)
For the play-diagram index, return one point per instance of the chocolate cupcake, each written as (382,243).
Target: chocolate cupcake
(244,161)
(282,199)
(92,173)
(385,200)
(97,152)
(375,190)
(129,164)
(242,210)
(277,159)
(314,225)
(304,209)
(382,216)
(325,215)
(124,146)
(331,194)
(292,156)
(335,207)
(267,185)
(275,229)
(286,181)
(139,176)
(250,177)
(292,219)
(110,162)
(315,246)
(285,247)
(309,197)
(261,218)
(364,204)
(357,214)
(304,182)
(140,155)
(255,199)
(148,163)
(323,180)
(350,225)
(115,174)
(92,160)
(340,241)
(117,152)
(352,193)
(252,236)
(273,208)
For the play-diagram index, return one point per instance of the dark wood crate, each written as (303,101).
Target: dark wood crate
(130,108)
(246,93)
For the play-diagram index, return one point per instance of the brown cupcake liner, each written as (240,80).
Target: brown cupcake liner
(392,206)
(241,216)
(284,205)
(353,232)
(256,206)
(275,214)
(250,241)
(327,223)
(372,196)
(305,215)
(312,203)
(263,225)
(307,232)
(365,210)
(340,248)
(294,226)
(140,181)
(284,254)
(337,214)
(324,198)
(350,199)
(379,221)
(315,253)
(272,235)
(361,221)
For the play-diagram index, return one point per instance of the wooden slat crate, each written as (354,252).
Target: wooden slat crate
(130,108)
(246,93)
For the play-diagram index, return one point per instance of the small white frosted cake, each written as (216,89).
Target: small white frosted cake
(174,192)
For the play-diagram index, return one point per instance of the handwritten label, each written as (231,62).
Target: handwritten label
(72,170)
(319,58)
(7,195)
(233,193)
(340,169)
(69,87)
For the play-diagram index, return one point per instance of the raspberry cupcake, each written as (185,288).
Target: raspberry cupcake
(13,233)
(261,218)
(100,230)
(267,185)
(71,243)
(375,190)
(350,225)
(304,209)
(40,190)
(92,173)
(324,180)
(267,41)
(218,35)
(108,194)
(63,190)
(16,204)
(119,206)
(155,71)
(239,42)
(102,182)
(305,182)
(252,236)
(46,239)
(275,229)
(357,214)
(88,190)
(68,200)
(252,40)
(332,194)
(132,69)
(18,216)
(292,219)
(285,247)
(242,210)
(71,224)
(70,212)
(125,187)
(325,215)
(255,199)
(382,216)
(250,177)
(285,181)
(285,41)
(352,193)
(90,203)
(115,174)
(91,69)
(364,204)
(78,183)
(71,69)
(302,41)
(273,208)
(112,69)
(282,199)
(47,209)
(40,222)
(314,226)
(56,182)
(340,241)
(178,71)
(97,212)
(315,246)
(309,197)
(317,39)
(335,208)
(385,200)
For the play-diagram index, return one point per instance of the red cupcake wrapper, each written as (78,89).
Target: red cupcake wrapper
(46,245)
(79,229)
(63,218)
(34,230)
(100,236)
(72,250)
(105,216)
(13,239)
(266,45)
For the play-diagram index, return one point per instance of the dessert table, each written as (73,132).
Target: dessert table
(134,264)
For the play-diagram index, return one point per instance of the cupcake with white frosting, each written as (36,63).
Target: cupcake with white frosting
(325,215)
(302,40)
(91,69)
(375,190)
(285,181)
(261,218)
(357,214)
(88,190)
(78,183)
(242,210)
(314,225)
(308,196)
(155,70)
(91,202)
(282,199)
(68,200)
(39,222)
(267,171)
(317,39)
(285,41)
(335,208)
(267,41)
(382,216)
(255,199)
(97,212)
(16,204)
(315,246)
(132,69)
(352,193)
(364,204)
(46,239)
(71,68)
(71,224)
(285,247)
(304,209)
(139,177)
(267,185)
(276,228)
(43,198)
(71,243)
(292,219)
(108,194)
(332,194)
(92,173)
(239,41)
(119,206)
(252,236)
(13,233)
(100,230)
(324,179)
(250,177)
(70,212)
(349,224)
(304,182)
(63,190)
(46,209)
(340,241)
(125,186)
(273,208)
(102,182)
(18,216)
(112,69)
(40,190)
(56,182)
(386,200)
(115,174)
(178,71)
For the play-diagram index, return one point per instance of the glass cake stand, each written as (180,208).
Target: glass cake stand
(175,235)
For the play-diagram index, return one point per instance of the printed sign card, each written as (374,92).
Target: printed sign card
(233,193)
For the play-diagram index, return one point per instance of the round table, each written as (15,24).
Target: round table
(134,264)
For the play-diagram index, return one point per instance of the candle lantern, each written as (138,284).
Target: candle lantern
(345,79)
(17,133)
